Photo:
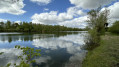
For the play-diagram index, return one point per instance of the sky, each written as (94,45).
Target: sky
(70,13)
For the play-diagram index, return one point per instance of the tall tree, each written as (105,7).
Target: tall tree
(8,24)
(1,24)
(96,23)
(98,19)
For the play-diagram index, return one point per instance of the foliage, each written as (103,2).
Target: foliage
(8,65)
(30,27)
(97,23)
(92,40)
(115,27)
(98,20)
(1,53)
(30,53)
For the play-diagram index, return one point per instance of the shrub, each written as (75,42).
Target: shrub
(115,27)
(92,40)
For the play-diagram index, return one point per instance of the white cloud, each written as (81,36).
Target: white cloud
(90,4)
(50,18)
(12,7)
(75,11)
(41,2)
(18,22)
(114,10)
(55,18)
(3,20)
(74,16)
(113,14)
(76,22)
(46,9)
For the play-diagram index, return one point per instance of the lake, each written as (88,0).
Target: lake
(57,49)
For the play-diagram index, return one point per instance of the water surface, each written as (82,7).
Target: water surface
(57,50)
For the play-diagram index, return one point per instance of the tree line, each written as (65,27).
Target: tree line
(30,27)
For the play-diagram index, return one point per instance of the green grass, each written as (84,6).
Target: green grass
(106,55)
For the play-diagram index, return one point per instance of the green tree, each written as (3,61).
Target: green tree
(1,26)
(29,27)
(96,23)
(98,19)
(8,25)
(115,27)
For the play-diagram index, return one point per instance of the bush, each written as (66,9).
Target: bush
(92,40)
(115,27)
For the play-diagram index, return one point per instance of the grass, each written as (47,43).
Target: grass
(106,55)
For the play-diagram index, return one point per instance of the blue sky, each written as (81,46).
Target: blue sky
(32,8)
(71,13)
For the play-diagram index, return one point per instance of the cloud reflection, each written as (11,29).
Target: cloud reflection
(54,49)
(72,44)
(10,56)
(42,59)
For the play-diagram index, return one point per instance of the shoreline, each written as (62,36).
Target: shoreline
(105,55)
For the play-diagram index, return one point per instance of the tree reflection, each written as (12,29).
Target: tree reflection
(29,37)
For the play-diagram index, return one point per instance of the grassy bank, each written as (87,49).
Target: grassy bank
(106,55)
